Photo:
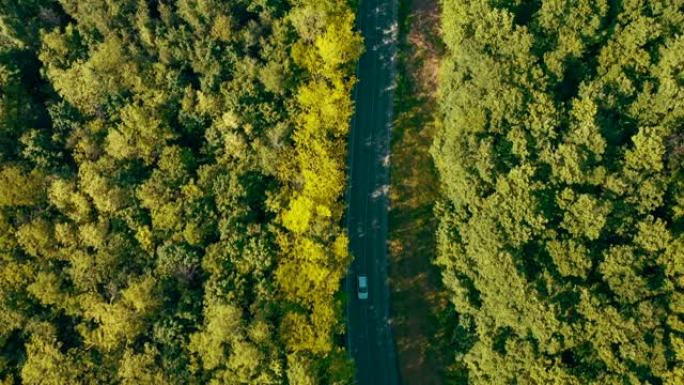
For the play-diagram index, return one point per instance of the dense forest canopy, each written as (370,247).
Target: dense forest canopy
(171,175)
(561,157)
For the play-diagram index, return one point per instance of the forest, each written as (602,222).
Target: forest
(171,182)
(561,159)
(172,176)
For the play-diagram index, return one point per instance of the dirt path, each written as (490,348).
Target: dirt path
(418,302)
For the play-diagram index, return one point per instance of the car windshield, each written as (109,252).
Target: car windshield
(363,284)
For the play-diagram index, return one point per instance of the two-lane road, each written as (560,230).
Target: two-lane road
(369,336)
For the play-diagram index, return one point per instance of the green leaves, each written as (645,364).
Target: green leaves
(560,233)
(583,215)
(21,188)
(170,184)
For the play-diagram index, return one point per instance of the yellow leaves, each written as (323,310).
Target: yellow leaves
(621,270)
(118,145)
(236,351)
(259,331)
(191,191)
(144,236)
(313,269)
(46,288)
(66,198)
(140,295)
(230,119)
(311,278)
(14,277)
(221,28)
(116,325)
(309,21)
(315,254)
(653,235)
(335,43)
(45,363)
(339,44)
(313,333)
(673,321)
(299,371)
(297,217)
(301,280)
(105,197)
(118,322)
(235,144)
(209,104)
(586,131)
(58,47)
(325,181)
(570,257)
(94,234)
(142,368)
(297,332)
(310,269)
(244,361)
(222,324)
(323,211)
(311,251)
(301,335)
(340,246)
(304,55)
(167,216)
(193,234)
(327,107)
(36,238)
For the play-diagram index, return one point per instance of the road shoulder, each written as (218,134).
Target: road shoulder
(420,310)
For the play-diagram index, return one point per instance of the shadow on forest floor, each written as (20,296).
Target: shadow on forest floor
(421,312)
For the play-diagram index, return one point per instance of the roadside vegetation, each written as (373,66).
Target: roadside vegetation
(171,176)
(560,155)
(421,316)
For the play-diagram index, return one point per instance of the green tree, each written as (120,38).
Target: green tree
(558,231)
(21,188)
(166,169)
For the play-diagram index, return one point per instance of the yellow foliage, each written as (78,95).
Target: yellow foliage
(141,369)
(300,335)
(323,211)
(297,217)
(340,246)
(144,236)
(326,105)
(140,295)
(310,272)
(222,28)
(339,45)
(222,324)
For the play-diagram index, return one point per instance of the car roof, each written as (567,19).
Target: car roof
(363,279)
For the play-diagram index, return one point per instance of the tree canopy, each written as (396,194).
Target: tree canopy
(171,176)
(560,152)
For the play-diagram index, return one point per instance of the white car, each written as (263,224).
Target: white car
(362,287)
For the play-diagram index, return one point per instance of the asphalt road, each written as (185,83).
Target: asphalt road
(369,336)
